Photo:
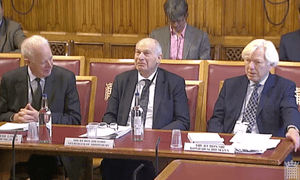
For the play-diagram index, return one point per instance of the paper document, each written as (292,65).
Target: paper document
(205,138)
(109,133)
(14,127)
(253,143)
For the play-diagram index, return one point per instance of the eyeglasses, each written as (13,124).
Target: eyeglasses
(113,126)
(178,21)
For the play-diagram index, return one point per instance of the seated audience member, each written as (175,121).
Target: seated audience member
(289,48)
(180,40)
(167,105)
(11,34)
(17,103)
(258,102)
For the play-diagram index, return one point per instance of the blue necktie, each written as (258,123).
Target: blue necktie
(251,110)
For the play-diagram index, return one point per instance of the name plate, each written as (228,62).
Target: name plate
(7,138)
(209,148)
(89,142)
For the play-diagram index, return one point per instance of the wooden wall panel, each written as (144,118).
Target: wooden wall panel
(112,25)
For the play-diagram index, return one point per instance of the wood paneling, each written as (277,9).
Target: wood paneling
(110,28)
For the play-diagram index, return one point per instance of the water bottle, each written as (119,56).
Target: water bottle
(137,120)
(45,122)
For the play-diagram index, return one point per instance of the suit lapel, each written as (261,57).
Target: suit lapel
(265,94)
(20,86)
(49,87)
(188,39)
(166,51)
(128,95)
(159,92)
(2,34)
(240,95)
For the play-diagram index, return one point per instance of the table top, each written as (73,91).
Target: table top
(192,170)
(125,147)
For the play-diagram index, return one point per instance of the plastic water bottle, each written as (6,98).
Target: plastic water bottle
(45,122)
(137,120)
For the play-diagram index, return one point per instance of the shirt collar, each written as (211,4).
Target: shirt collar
(140,77)
(182,32)
(262,82)
(31,76)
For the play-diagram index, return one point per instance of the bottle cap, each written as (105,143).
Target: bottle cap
(44,95)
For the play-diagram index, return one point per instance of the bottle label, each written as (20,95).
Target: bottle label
(138,126)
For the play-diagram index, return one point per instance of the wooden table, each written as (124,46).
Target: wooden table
(126,148)
(196,170)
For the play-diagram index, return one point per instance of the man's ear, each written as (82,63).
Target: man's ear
(159,58)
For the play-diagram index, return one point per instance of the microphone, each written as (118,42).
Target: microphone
(156,156)
(14,156)
(137,170)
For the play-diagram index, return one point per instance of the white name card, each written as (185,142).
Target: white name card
(7,138)
(89,142)
(209,148)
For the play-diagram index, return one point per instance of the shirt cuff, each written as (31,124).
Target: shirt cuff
(11,118)
(292,126)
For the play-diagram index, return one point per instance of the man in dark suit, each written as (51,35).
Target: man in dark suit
(180,40)
(289,48)
(275,112)
(11,34)
(167,106)
(17,94)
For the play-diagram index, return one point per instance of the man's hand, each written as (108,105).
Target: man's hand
(26,114)
(294,136)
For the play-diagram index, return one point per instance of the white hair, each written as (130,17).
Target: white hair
(29,44)
(158,49)
(271,54)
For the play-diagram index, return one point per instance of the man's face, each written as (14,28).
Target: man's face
(41,63)
(178,25)
(146,60)
(256,66)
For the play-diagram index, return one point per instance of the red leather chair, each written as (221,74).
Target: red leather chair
(76,64)
(291,71)
(214,72)
(194,91)
(10,61)
(106,70)
(86,87)
(188,69)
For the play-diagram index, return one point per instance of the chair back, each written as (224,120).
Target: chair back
(214,72)
(86,87)
(194,91)
(10,61)
(106,70)
(76,64)
(188,69)
(291,71)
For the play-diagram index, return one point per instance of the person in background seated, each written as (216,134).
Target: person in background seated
(289,48)
(11,34)
(180,40)
(17,103)
(167,107)
(258,102)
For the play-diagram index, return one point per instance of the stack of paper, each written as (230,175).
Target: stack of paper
(14,127)
(109,133)
(253,143)
(206,138)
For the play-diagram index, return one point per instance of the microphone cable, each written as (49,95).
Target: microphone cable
(137,170)
(14,156)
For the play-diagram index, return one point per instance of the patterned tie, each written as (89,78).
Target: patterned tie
(37,96)
(145,98)
(250,113)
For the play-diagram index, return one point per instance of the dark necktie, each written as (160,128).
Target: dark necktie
(145,98)
(251,110)
(37,96)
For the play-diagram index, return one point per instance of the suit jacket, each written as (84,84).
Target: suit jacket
(11,36)
(289,48)
(60,87)
(276,109)
(170,100)
(196,43)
